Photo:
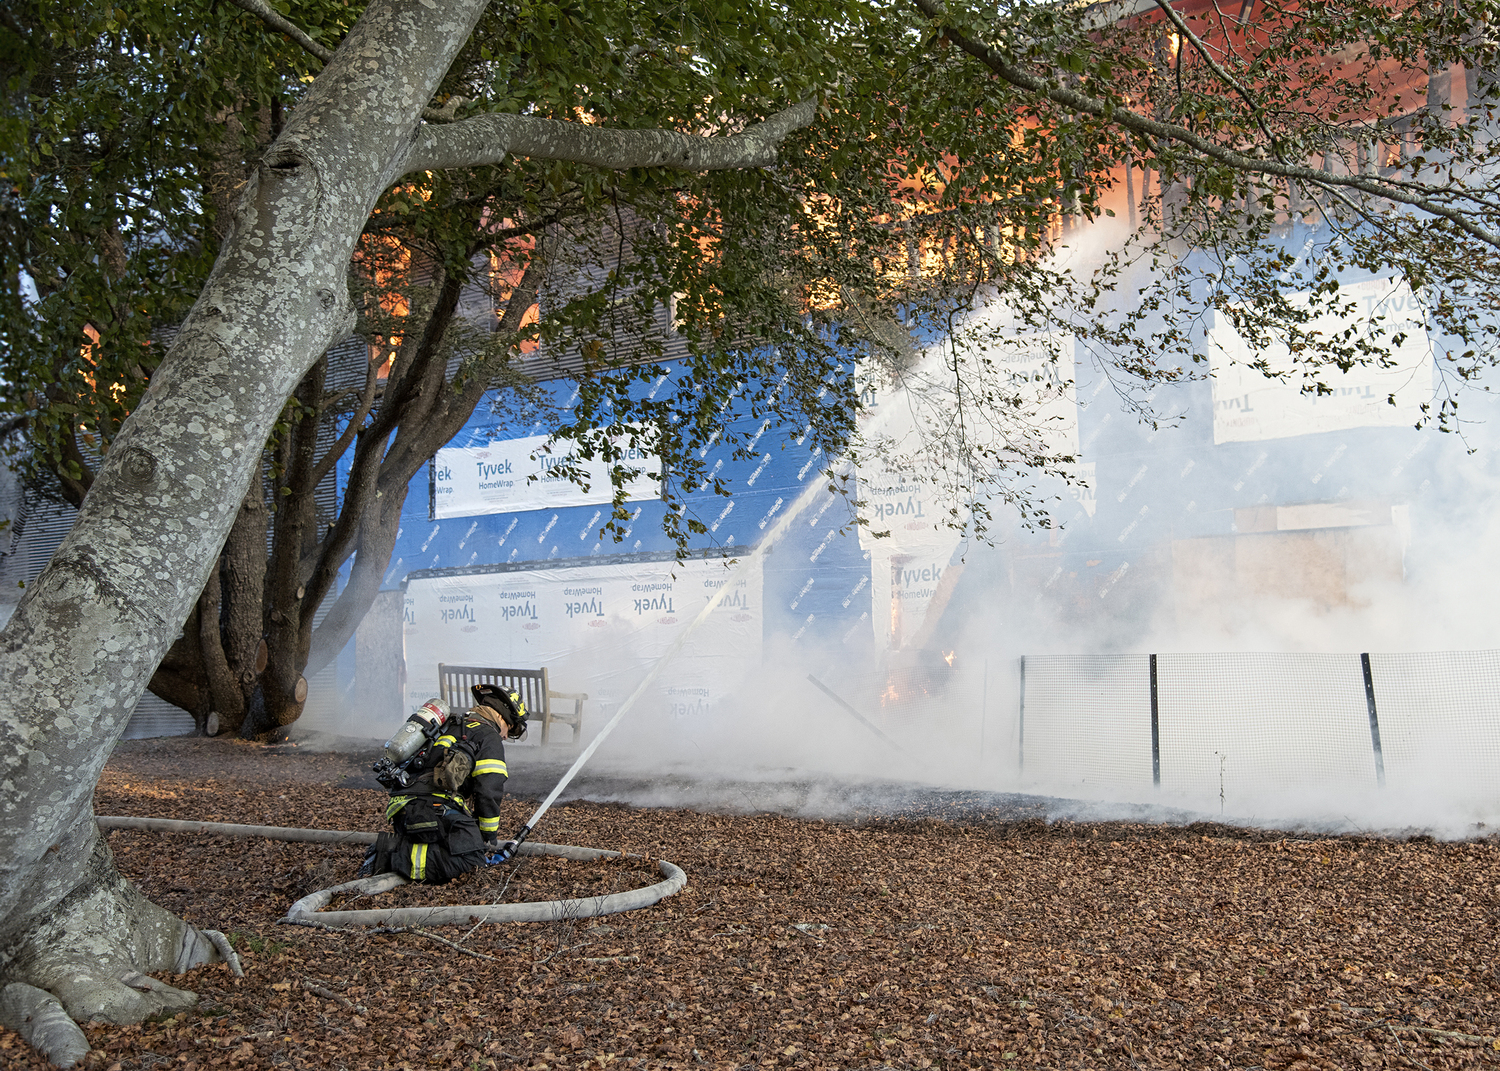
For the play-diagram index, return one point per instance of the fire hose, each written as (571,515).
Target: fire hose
(308,908)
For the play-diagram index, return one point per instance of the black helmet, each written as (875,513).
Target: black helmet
(507,703)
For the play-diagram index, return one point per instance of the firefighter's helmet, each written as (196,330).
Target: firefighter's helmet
(507,703)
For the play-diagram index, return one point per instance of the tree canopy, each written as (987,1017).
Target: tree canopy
(959,152)
(89,633)
(1129,174)
(490,223)
(957,147)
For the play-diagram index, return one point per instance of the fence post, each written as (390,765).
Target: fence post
(1021,723)
(1364,663)
(1155,731)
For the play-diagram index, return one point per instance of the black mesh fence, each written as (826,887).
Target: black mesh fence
(1088,719)
(1233,725)
(1439,715)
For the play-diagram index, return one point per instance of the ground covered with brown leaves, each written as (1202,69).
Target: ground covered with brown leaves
(980,942)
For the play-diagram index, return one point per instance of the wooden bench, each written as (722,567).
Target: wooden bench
(454,683)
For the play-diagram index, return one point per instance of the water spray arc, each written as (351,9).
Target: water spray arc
(866,722)
(778,530)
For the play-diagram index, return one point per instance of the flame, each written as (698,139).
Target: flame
(949,657)
(890,695)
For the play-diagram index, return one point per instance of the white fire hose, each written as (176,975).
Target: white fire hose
(308,908)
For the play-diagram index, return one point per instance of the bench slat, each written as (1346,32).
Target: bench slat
(454,683)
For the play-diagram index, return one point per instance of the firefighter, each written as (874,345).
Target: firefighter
(446,820)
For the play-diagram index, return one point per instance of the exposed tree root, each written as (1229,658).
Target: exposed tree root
(89,959)
(36,1015)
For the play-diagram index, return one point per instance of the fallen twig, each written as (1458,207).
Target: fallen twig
(386,929)
(555,954)
(1454,1035)
(327,994)
(499,896)
(444,941)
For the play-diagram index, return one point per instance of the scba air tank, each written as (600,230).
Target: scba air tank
(417,731)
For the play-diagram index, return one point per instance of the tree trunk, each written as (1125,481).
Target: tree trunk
(92,950)
(382,469)
(86,638)
(244,598)
(179,678)
(295,534)
(218,679)
(211,668)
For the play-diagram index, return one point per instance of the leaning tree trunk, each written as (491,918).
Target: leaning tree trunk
(89,633)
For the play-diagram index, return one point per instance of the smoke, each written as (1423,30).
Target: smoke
(1353,536)
(1215,534)
(1202,537)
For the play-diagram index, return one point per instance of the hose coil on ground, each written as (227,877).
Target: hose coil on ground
(307,909)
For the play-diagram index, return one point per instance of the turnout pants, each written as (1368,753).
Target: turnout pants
(430,862)
(428,850)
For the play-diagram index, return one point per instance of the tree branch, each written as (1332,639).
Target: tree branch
(1417,195)
(351,429)
(1218,69)
(488,139)
(272,18)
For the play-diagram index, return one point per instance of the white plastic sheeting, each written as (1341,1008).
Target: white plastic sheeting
(522,474)
(596,628)
(1250,406)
